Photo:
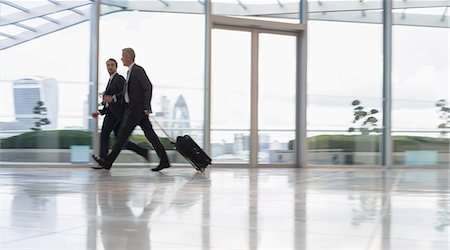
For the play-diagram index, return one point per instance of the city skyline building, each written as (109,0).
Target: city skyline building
(180,117)
(27,92)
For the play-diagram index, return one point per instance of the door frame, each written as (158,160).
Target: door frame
(256,27)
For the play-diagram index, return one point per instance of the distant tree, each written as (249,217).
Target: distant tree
(444,114)
(365,120)
(41,120)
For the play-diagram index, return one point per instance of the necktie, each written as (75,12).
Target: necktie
(107,85)
(125,89)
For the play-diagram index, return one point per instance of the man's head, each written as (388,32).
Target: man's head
(128,56)
(111,66)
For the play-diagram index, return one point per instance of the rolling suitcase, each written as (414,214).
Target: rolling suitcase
(190,150)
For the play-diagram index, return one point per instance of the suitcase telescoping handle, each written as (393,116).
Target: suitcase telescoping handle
(165,132)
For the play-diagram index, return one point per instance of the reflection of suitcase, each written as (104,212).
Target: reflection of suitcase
(187,147)
(192,152)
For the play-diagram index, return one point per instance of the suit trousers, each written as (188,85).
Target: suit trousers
(129,122)
(112,123)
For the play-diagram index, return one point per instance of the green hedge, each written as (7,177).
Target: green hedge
(371,143)
(63,139)
(347,143)
(47,139)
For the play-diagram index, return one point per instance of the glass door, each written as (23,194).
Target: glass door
(276,98)
(230,96)
(253,86)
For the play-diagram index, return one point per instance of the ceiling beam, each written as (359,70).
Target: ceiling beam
(432,21)
(48,28)
(41,11)
(338,11)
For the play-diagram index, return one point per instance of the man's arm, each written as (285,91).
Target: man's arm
(115,92)
(147,87)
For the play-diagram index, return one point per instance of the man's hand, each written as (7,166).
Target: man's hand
(146,112)
(95,114)
(107,98)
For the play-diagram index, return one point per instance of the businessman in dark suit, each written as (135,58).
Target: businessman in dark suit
(137,95)
(114,111)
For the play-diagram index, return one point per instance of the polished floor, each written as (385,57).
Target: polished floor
(224,208)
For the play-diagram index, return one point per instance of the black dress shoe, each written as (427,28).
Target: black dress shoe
(101,162)
(161,166)
(97,167)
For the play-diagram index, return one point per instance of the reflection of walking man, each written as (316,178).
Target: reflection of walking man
(120,229)
(137,95)
(114,112)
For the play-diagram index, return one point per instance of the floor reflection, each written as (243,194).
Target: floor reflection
(133,208)
(127,209)
(120,228)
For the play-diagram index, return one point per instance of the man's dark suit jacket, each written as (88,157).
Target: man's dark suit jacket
(115,87)
(139,90)
(139,93)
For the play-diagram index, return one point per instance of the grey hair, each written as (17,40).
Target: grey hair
(130,52)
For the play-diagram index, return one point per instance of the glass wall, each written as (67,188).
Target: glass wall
(43,69)
(44,91)
(44,86)
(421,97)
(344,93)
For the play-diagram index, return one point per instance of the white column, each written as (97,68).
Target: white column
(386,145)
(207,90)
(93,73)
(301,142)
(91,242)
(254,148)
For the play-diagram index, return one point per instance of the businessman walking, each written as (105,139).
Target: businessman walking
(137,96)
(114,112)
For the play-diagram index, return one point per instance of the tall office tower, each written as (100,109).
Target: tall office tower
(165,111)
(162,115)
(239,143)
(264,141)
(27,93)
(180,117)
